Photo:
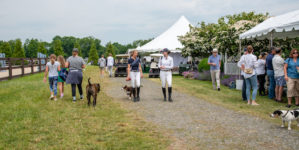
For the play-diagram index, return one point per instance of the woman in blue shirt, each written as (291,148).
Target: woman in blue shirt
(292,77)
(134,74)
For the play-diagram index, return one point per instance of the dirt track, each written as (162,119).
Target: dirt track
(201,125)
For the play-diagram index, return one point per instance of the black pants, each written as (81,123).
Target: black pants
(261,79)
(74,89)
(244,89)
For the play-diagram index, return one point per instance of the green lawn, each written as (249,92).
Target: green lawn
(228,98)
(29,120)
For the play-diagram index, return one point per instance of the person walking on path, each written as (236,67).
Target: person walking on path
(61,81)
(102,65)
(134,74)
(261,73)
(291,74)
(278,67)
(165,65)
(215,62)
(270,73)
(244,97)
(110,63)
(52,68)
(248,64)
(75,64)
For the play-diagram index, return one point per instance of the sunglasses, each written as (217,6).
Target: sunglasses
(295,53)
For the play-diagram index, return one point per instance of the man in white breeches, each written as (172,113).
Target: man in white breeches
(165,65)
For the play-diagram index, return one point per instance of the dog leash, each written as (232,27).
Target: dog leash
(285,114)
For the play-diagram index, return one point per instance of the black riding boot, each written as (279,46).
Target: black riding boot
(138,91)
(164,93)
(169,94)
(134,94)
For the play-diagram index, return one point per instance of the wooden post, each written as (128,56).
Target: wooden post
(32,65)
(23,72)
(9,68)
(40,64)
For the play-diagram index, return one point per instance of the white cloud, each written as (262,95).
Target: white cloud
(117,20)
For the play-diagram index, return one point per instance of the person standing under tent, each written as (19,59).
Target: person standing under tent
(244,97)
(110,63)
(261,73)
(134,74)
(75,64)
(165,65)
(215,62)
(278,67)
(52,67)
(248,64)
(291,74)
(102,65)
(270,73)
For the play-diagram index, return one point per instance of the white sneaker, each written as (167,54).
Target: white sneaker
(51,97)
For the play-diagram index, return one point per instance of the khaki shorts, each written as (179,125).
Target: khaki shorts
(293,87)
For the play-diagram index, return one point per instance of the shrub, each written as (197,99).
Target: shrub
(191,74)
(203,65)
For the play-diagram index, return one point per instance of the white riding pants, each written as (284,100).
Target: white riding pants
(166,76)
(135,79)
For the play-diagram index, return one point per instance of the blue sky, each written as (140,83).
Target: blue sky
(118,20)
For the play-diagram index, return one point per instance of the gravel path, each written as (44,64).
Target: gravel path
(201,125)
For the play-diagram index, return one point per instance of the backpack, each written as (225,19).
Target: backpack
(63,74)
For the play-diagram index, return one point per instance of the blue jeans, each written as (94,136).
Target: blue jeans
(53,84)
(271,89)
(244,96)
(251,83)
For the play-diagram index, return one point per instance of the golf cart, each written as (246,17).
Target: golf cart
(154,69)
(121,65)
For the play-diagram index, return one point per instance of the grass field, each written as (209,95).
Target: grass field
(29,120)
(228,98)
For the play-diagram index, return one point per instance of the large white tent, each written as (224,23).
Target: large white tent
(169,39)
(282,26)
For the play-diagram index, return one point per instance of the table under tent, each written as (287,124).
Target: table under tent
(169,40)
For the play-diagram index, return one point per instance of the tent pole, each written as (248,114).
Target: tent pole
(271,39)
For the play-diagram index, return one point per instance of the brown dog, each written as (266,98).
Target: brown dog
(128,90)
(92,90)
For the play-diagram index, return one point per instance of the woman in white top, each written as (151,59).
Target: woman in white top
(248,65)
(52,69)
(261,73)
(165,65)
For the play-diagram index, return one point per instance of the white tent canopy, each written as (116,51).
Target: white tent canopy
(168,39)
(282,26)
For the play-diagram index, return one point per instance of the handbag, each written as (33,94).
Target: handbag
(248,70)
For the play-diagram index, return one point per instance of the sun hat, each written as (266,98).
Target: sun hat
(215,50)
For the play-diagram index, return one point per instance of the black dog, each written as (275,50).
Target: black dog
(92,90)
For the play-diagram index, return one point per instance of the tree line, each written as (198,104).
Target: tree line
(88,47)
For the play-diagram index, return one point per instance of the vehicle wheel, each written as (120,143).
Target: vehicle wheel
(115,75)
(149,76)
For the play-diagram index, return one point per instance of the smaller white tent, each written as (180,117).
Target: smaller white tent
(169,40)
(282,26)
